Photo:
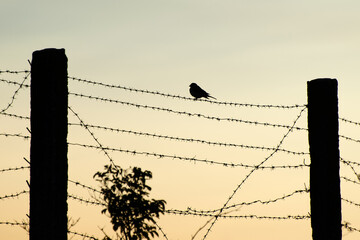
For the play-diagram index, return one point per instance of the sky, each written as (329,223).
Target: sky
(258,52)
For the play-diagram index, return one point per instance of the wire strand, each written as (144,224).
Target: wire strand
(252,202)
(14,95)
(252,216)
(185,98)
(189,139)
(184,113)
(190,159)
(14,72)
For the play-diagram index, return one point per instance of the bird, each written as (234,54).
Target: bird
(198,92)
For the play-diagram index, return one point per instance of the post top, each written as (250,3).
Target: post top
(323,80)
(48,55)
(49,51)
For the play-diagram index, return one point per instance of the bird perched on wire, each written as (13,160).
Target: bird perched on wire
(198,92)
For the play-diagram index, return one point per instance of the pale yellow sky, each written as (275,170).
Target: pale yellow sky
(240,51)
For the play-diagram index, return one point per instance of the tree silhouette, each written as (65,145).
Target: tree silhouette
(126,195)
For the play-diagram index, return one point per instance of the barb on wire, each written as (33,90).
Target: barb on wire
(252,171)
(15,135)
(14,169)
(86,201)
(350,180)
(161,230)
(14,195)
(347,226)
(349,138)
(14,72)
(84,186)
(189,139)
(351,202)
(14,83)
(350,164)
(186,113)
(210,219)
(12,223)
(190,210)
(83,235)
(190,159)
(14,115)
(15,93)
(349,121)
(186,98)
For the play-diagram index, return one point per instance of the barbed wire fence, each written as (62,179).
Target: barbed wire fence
(89,141)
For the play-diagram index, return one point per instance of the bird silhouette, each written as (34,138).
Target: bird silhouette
(198,92)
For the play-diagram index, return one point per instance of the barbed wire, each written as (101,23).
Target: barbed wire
(25,191)
(14,72)
(189,209)
(251,172)
(12,223)
(200,115)
(83,235)
(14,195)
(15,93)
(349,138)
(14,83)
(22,224)
(347,226)
(84,186)
(197,213)
(203,214)
(186,98)
(169,95)
(349,121)
(189,139)
(98,203)
(350,180)
(14,169)
(86,201)
(350,164)
(93,136)
(161,230)
(351,202)
(14,115)
(193,114)
(190,159)
(284,150)
(252,216)
(26,137)
(28,167)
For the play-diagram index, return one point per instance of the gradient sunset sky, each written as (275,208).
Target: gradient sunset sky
(259,52)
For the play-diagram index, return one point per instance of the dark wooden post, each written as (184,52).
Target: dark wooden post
(323,127)
(48,151)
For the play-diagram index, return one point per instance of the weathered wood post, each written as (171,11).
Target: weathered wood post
(323,125)
(48,151)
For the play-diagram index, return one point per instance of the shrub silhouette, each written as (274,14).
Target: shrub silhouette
(126,195)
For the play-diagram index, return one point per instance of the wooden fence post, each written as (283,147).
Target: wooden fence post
(323,125)
(48,151)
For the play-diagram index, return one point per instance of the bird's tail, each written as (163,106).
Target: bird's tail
(212,97)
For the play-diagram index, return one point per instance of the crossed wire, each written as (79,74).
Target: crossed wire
(250,173)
